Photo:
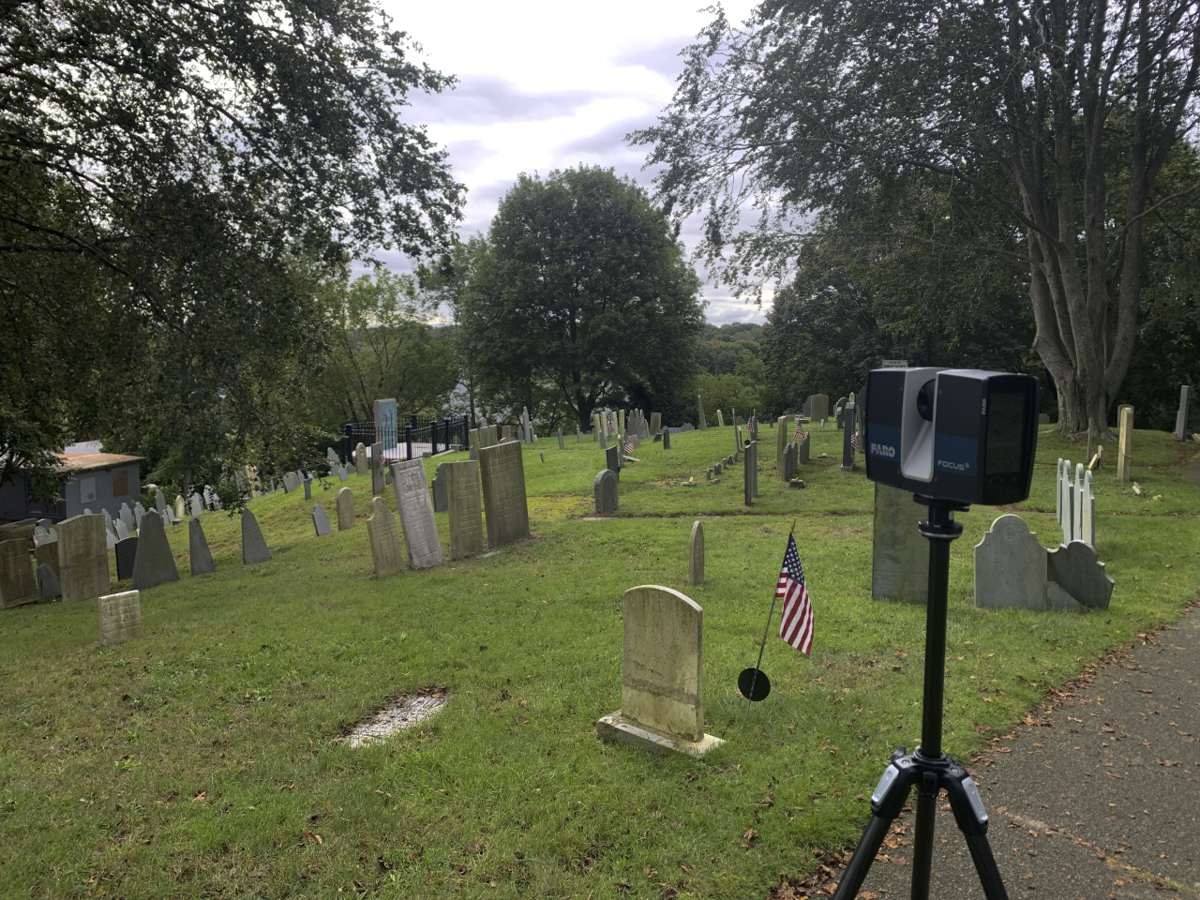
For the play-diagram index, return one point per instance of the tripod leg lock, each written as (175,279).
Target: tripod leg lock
(968,808)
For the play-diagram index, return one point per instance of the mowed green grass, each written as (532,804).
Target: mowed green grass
(206,759)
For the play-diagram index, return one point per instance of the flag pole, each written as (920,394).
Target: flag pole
(763,645)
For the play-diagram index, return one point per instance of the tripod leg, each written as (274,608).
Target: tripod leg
(864,855)
(923,845)
(973,823)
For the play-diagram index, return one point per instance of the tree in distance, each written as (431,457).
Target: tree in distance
(1055,118)
(580,296)
(174,179)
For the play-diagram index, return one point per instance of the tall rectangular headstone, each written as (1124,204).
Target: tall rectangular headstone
(345,509)
(82,558)
(1181,417)
(385,540)
(666,438)
(465,510)
(696,555)
(820,408)
(377,484)
(661,670)
(502,472)
(655,422)
(441,500)
(701,423)
(806,448)
(1124,441)
(720,418)
(781,438)
(18,583)
(416,514)
(120,617)
(899,554)
(154,563)
(125,553)
(750,464)
(321,521)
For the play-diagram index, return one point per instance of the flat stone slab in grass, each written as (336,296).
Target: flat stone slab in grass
(402,713)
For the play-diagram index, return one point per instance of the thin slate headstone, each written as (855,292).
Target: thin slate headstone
(701,422)
(605,492)
(820,408)
(384,539)
(848,438)
(662,705)
(345,509)
(125,552)
(200,557)
(666,438)
(1010,567)
(254,546)
(441,499)
(195,504)
(48,584)
(377,480)
(1088,512)
(781,436)
(82,558)
(160,504)
(139,512)
(1181,417)
(502,473)
(748,467)
(154,564)
(308,489)
(321,521)
(18,581)
(416,514)
(1124,442)
(696,555)
(612,459)
(1077,570)
(126,516)
(899,554)
(720,419)
(465,509)
(360,459)
(121,529)
(806,448)
(120,617)
(561,445)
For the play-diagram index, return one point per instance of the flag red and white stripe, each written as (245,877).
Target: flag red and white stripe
(797,625)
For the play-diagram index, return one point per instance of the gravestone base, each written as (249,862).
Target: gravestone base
(617,729)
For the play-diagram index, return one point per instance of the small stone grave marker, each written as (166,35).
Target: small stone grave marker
(605,492)
(18,582)
(125,552)
(696,555)
(154,564)
(1010,567)
(120,617)
(200,557)
(83,558)
(321,521)
(345,509)
(384,539)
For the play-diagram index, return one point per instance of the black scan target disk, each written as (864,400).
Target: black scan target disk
(754,684)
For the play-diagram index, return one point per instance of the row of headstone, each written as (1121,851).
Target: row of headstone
(1075,503)
(1013,569)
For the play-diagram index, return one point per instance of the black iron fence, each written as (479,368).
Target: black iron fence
(418,436)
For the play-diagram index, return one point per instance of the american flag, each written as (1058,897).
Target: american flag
(752,423)
(799,430)
(797,625)
(628,446)
(854,440)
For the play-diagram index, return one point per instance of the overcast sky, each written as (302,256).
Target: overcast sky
(546,85)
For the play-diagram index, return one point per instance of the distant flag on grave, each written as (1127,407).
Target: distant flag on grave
(797,625)
(628,446)
(799,430)
(752,423)
(854,440)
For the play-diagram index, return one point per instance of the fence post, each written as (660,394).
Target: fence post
(408,441)
(347,441)
(465,424)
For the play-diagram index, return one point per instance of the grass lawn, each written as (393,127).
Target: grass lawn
(206,759)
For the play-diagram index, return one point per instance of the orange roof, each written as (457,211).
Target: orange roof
(89,462)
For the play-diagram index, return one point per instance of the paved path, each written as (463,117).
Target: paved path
(1098,797)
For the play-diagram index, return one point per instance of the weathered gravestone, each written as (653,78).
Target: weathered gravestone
(1181,416)
(720,419)
(1124,441)
(805,449)
(441,499)
(308,489)
(655,422)
(139,513)
(696,555)
(1010,567)
(502,472)
(254,546)
(360,459)
(899,554)
(345,509)
(416,514)
(126,516)
(1078,572)
(377,484)
(18,582)
(561,445)
(661,671)
(321,521)
(612,459)
(790,461)
(605,493)
(384,539)
(848,439)
(125,553)
(291,482)
(781,436)
(819,411)
(750,467)
(200,557)
(180,508)
(121,529)
(154,564)
(701,422)
(195,504)
(82,558)
(120,617)
(47,582)
(160,504)
(47,555)
(465,512)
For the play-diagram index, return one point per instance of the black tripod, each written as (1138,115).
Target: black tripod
(931,770)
